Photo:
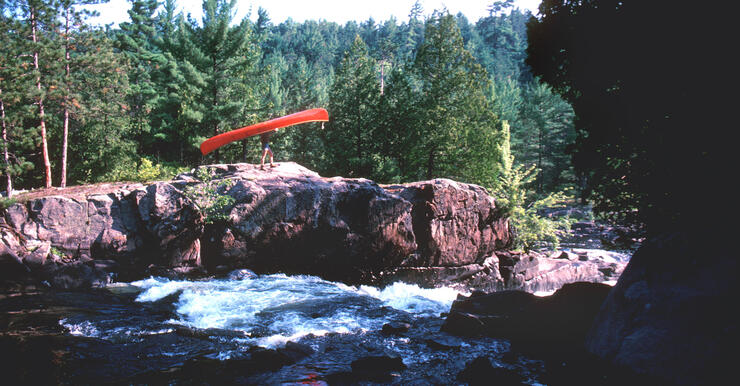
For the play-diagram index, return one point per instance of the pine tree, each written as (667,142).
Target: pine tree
(41,19)
(73,16)
(302,143)
(136,39)
(101,139)
(8,73)
(395,135)
(547,131)
(18,116)
(350,135)
(413,33)
(455,127)
(224,56)
(503,47)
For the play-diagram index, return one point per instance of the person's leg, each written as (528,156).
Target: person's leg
(262,160)
(272,164)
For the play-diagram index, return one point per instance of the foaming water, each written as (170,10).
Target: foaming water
(273,309)
(413,299)
(170,322)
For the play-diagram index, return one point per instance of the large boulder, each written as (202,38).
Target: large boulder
(551,328)
(292,220)
(455,224)
(285,219)
(549,324)
(80,239)
(669,315)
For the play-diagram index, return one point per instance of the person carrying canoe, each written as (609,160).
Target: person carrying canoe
(265,140)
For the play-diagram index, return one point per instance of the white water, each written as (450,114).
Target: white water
(273,309)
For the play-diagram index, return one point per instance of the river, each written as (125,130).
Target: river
(242,328)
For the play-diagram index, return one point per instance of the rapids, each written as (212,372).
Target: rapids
(234,316)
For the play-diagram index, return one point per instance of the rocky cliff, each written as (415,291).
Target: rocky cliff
(286,219)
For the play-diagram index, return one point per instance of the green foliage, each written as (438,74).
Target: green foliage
(454,127)
(224,57)
(144,171)
(350,136)
(5,203)
(209,195)
(516,199)
(547,132)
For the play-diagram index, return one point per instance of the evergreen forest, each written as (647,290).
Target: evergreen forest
(436,95)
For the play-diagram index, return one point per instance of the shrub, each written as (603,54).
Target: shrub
(209,196)
(530,230)
(145,171)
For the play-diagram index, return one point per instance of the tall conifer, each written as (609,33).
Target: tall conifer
(455,126)
(350,136)
(222,54)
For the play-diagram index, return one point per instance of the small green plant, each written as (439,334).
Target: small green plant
(209,196)
(5,203)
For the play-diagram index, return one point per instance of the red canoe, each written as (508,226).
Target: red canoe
(311,115)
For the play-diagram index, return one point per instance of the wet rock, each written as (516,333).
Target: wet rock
(480,372)
(263,359)
(463,324)
(241,274)
(519,317)
(208,333)
(442,343)
(395,328)
(294,352)
(373,366)
(72,276)
(668,316)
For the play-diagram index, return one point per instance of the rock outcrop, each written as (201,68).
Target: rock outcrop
(285,219)
(669,314)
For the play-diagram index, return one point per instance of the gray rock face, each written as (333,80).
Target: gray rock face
(668,315)
(77,241)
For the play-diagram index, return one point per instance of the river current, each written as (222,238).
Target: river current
(241,327)
(340,323)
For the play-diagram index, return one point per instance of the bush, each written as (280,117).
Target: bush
(144,171)
(5,203)
(209,195)
(530,229)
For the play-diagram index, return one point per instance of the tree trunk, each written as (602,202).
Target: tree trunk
(40,100)
(6,156)
(65,132)
(430,164)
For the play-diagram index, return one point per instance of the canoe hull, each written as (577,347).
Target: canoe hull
(311,115)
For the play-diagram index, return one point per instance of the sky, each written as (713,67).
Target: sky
(339,11)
